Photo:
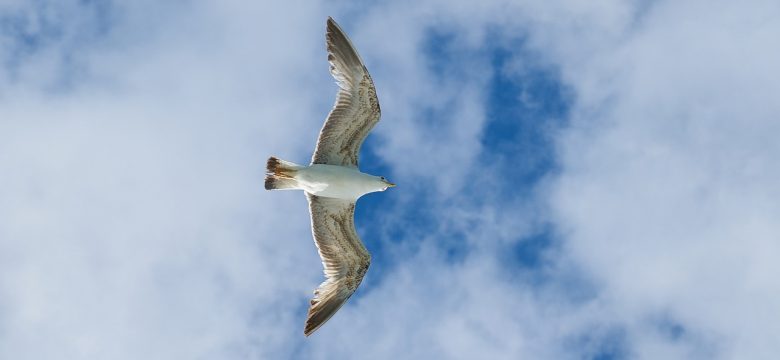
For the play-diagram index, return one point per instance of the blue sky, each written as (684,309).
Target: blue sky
(576,180)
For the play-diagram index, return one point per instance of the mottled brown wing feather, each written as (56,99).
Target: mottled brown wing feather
(344,257)
(356,110)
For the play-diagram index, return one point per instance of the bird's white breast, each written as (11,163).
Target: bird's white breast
(335,181)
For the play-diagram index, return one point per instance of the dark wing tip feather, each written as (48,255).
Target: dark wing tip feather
(320,312)
(333,25)
(340,46)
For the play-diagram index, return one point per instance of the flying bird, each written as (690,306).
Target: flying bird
(333,183)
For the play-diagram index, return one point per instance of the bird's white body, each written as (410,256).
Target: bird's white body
(335,181)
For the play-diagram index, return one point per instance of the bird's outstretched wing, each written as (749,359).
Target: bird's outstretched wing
(356,110)
(343,255)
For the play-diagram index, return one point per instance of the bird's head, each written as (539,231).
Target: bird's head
(384,183)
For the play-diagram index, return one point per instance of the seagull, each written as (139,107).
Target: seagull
(333,183)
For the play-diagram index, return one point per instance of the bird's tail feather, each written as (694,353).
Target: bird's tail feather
(280,174)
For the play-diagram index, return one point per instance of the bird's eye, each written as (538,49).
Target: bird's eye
(382,177)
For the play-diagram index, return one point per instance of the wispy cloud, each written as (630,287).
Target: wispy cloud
(576,180)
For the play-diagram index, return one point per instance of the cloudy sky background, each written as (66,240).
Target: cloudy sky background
(577,180)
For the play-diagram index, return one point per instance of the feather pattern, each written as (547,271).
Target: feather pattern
(356,110)
(344,257)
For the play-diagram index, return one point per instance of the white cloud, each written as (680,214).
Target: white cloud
(133,223)
(667,189)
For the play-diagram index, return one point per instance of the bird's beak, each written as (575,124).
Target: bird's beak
(389,184)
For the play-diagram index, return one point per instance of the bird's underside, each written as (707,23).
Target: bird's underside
(355,112)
